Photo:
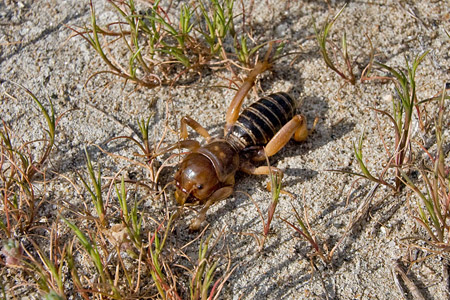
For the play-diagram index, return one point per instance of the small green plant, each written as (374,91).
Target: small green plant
(44,267)
(432,211)
(274,186)
(48,268)
(96,256)
(203,274)
(18,167)
(276,181)
(322,40)
(403,107)
(401,117)
(306,232)
(219,22)
(130,219)
(162,51)
(147,150)
(202,284)
(159,270)
(358,151)
(52,295)
(96,191)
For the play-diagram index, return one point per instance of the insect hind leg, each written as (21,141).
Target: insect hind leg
(296,128)
(249,82)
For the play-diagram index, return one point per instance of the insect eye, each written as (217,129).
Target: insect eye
(199,186)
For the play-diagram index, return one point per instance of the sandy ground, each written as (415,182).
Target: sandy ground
(36,52)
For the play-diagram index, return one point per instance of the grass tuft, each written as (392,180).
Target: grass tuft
(322,41)
(164,46)
(19,164)
(305,231)
(96,190)
(403,107)
(401,118)
(432,211)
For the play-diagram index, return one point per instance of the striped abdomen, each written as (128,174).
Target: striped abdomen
(259,122)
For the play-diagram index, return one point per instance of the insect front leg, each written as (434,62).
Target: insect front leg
(249,168)
(186,144)
(194,125)
(218,195)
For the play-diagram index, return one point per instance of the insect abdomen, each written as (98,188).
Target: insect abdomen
(259,122)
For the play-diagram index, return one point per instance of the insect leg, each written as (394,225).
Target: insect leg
(296,127)
(249,82)
(186,144)
(194,125)
(249,168)
(218,195)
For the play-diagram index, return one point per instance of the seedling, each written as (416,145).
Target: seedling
(405,87)
(42,265)
(131,220)
(401,118)
(89,244)
(147,149)
(51,124)
(18,167)
(90,247)
(162,51)
(274,186)
(157,266)
(202,285)
(204,273)
(218,24)
(96,190)
(49,269)
(433,213)
(365,172)
(321,36)
(306,232)
(275,179)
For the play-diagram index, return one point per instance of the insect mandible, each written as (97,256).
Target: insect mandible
(206,175)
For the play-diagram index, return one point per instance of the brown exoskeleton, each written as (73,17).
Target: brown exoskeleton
(206,174)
